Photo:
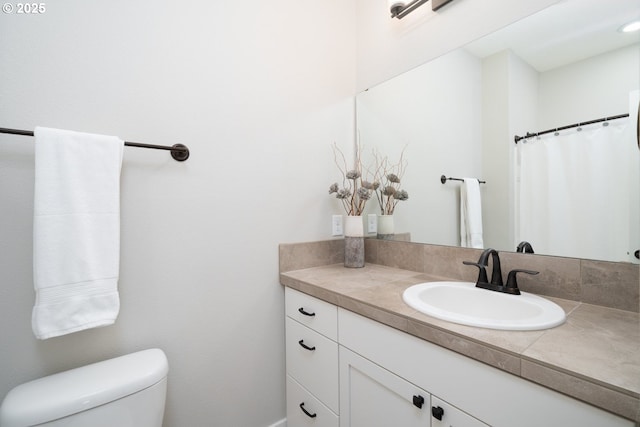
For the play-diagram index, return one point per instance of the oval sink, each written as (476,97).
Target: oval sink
(462,302)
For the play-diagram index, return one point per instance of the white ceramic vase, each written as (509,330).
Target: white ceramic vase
(386,228)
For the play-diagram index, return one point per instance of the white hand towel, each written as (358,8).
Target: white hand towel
(470,214)
(76,231)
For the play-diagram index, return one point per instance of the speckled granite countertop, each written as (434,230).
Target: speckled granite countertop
(594,356)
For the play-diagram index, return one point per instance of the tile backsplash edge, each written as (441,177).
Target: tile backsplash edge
(296,256)
(610,284)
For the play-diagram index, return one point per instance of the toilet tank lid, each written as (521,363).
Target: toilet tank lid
(83,388)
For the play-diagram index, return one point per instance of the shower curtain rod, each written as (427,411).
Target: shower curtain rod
(179,152)
(575,125)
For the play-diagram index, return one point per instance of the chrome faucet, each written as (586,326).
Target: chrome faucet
(496,283)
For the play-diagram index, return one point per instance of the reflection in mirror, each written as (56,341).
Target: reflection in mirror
(458,115)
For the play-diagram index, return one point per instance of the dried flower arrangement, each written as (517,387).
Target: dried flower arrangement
(387,182)
(355,190)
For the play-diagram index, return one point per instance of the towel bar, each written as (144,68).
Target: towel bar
(444,179)
(179,152)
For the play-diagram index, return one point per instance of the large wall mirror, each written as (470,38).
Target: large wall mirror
(457,116)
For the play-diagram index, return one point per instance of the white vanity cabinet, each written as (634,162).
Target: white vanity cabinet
(312,361)
(470,392)
(355,372)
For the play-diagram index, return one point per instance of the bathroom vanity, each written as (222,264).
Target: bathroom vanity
(357,355)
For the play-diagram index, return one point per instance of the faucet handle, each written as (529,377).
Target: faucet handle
(513,283)
(482,274)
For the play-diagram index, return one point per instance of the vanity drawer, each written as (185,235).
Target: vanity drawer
(312,360)
(300,400)
(312,312)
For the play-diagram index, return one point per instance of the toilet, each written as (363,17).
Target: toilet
(128,391)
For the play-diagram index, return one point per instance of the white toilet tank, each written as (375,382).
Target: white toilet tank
(128,391)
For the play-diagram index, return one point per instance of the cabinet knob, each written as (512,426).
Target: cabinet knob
(437,412)
(418,401)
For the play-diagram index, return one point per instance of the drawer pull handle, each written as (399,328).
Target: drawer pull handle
(306,313)
(418,401)
(306,347)
(437,412)
(309,414)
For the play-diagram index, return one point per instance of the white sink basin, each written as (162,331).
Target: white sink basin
(462,302)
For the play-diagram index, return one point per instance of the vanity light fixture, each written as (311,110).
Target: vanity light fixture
(399,8)
(630,27)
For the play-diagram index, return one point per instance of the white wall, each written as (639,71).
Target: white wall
(495,137)
(258,91)
(590,89)
(510,93)
(422,111)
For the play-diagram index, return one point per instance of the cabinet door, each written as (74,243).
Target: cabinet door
(445,415)
(371,396)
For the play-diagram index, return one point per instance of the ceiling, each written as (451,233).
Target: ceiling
(569,31)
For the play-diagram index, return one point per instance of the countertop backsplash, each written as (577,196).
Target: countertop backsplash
(609,284)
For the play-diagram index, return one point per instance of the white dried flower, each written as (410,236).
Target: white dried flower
(389,191)
(363,193)
(343,194)
(367,185)
(356,191)
(389,175)
(353,174)
(401,195)
(392,177)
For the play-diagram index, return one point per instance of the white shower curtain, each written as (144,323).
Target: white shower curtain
(574,191)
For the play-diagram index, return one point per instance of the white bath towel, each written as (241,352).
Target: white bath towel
(76,231)
(470,214)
